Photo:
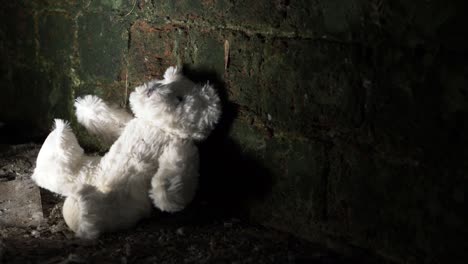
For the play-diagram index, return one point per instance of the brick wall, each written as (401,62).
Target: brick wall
(348,118)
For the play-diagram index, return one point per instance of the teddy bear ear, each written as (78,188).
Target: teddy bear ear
(172,74)
(211,112)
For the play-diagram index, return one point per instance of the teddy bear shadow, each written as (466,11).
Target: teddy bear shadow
(230,180)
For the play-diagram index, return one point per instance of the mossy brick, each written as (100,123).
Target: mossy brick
(8,92)
(4,67)
(313,81)
(317,87)
(110,4)
(102,42)
(113,92)
(421,23)
(315,190)
(369,192)
(88,141)
(298,197)
(263,15)
(44,98)
(30,100)
(250,138)
(56,37)
(60,97)
(152,49)
(19,102)
(205,49)
(411,90)
(298,167)
(340,16)
(71,5)
(17,34)
(305,17)
(245,57)
(29,95)
(178,9)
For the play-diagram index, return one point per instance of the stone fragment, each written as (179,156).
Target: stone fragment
(2,250)
(20,204)
(180,231)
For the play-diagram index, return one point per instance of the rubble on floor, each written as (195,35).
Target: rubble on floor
(197,235)
(20,200)
(20,203)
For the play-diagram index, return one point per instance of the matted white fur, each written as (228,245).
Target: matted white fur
(153,160)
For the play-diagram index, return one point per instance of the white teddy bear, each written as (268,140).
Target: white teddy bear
(153,160)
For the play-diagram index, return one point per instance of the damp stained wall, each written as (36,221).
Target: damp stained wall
(358,109)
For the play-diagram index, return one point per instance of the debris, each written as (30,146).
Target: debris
(68,234)
(35,233)
(73,258)
(134,4)
(226,54)
(2,250)
(58,228)
(180,231)
(127,249)
(158,240)
(20,203)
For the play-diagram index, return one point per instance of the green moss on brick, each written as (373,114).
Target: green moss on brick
(17,35)
(102,42)
(250,138)
(153,47)
(341,16)
(207,49)
(114,4)
(56,37)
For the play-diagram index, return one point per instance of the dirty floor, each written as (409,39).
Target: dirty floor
(194,236)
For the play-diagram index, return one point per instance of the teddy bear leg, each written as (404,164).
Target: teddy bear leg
(78,211)
(99,119)
(59,160)
(89,212)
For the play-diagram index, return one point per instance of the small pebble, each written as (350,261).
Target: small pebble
(54,229)
(2,249)
(73,258)
(180,231)
(68,235)
(127,249)
(35,233)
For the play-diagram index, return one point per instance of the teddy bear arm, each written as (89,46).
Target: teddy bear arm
(173,186)
(100,119)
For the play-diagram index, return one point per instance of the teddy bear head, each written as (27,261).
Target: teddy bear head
(177,105)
